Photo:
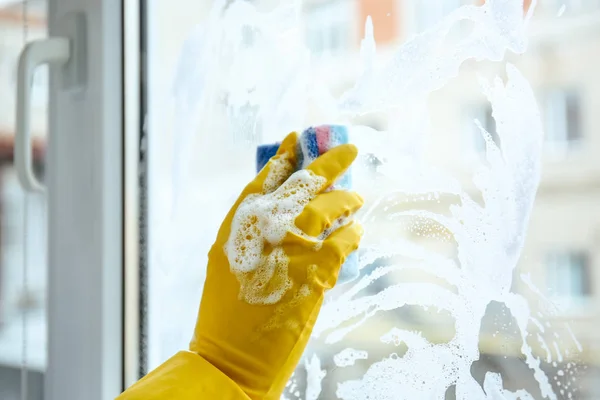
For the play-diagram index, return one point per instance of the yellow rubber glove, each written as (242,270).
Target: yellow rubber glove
(266,278)
(253,326)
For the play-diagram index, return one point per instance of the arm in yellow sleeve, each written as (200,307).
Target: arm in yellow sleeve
(185,376)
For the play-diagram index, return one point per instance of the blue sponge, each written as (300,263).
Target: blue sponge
(264,153)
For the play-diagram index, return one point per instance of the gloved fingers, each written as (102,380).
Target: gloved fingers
(321,212)
(288,145)
(278,169)
(334,163)
(337,247)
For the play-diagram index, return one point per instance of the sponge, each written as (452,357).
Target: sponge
(313,142)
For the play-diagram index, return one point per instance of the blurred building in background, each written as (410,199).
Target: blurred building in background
(22,215)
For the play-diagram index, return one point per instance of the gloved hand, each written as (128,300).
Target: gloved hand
(268,272)
(266,278)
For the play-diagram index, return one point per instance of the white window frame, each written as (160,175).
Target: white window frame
(85,212)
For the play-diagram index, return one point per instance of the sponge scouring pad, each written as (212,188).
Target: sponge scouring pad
(313,142)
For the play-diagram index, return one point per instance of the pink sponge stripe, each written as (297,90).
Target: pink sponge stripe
(323,138)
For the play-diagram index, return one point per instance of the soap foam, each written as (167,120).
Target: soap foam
(348,357)
(260,224)
(314,377)
(280,167)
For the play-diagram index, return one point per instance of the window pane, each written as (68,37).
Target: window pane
(22,216)
(477,279)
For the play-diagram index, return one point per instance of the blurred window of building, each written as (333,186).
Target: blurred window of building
(23,234)
(11,224)
(373,163)
(428,13)
(572,7)
(329,27)
(482,113)
(568,278)
(562,117)
(382,282)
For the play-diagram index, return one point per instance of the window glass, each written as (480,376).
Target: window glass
(22,216)
(478,280)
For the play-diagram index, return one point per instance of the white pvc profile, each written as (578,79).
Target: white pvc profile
(85,211)
(132,126)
